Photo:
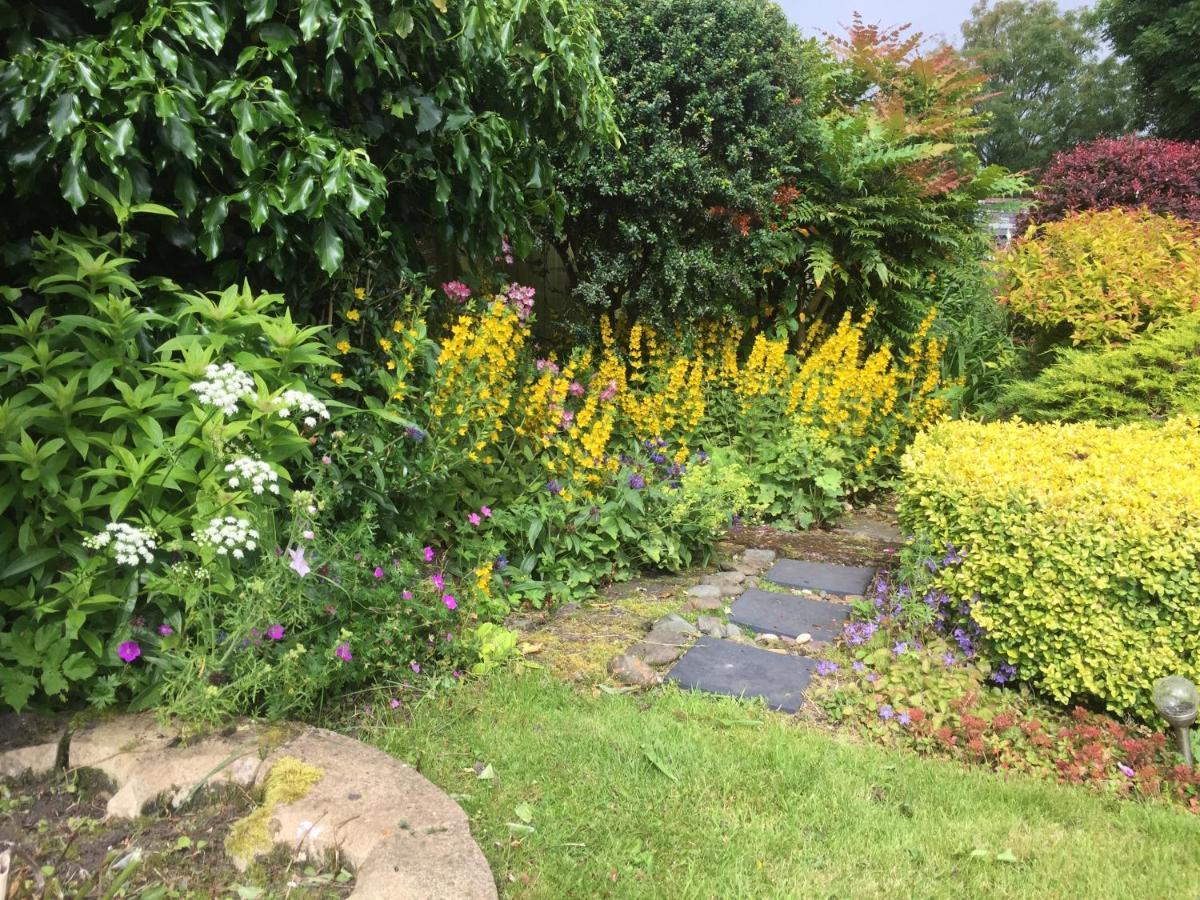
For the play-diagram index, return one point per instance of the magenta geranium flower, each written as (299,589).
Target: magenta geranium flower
(343,652)
(379,571)
(275,632)
(450,602)
(407,595)
(129,651)
(165,630)
(394,703)
(428,554)
(486,511)
(474,519)
(438,581)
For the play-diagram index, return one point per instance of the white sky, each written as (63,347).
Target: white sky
(934,17)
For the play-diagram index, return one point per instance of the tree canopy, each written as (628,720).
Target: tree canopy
(286,133)
(1053,84)
(1161,39)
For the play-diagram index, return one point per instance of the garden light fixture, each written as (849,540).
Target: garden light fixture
(1177,699)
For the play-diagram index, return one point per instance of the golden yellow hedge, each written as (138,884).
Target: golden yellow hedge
(1081,546)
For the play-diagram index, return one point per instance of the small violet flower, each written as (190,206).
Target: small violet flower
(900,648)
(903,718)
(886,712)
(394,703)
(825,667)
(1126,770)
(415,666)
(636,481)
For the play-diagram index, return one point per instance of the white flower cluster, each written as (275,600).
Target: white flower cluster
(231,536)
(303,402)
(223,387)
(130,546)
(256,473)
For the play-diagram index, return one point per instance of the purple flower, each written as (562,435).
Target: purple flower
(450,602)
(343,653)
(165,630)
(456,291)
(826,667)
(554,487)
(871,676)
(636,481)
(576,389)
(415,666)
(275,632)
(859,632)
(379,571)
(949,659)
(485,511)
(438,581)
(129,651)
(428,554)
(407,595)
(1126,770)
(900,648)
(903,718)
(500,563)
(413,433)
(1004,673)
(886,712)
(394,703)
(858,666)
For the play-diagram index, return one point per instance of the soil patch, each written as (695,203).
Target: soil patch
(62,844)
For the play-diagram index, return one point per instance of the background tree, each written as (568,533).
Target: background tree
(1054,85)
(286,133)
(1162,40)
(717,103)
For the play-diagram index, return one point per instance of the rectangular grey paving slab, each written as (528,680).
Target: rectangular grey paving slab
(789,615)
(727,667)
(816,576)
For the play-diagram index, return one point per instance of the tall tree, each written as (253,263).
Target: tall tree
(1162,40)
(1054,85)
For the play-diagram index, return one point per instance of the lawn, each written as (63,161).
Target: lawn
(671,794)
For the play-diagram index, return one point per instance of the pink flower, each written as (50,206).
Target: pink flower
(438,581)
(474,519)
(456,673)
(428,554)
(520,297)
(326,460)
(379,571)
(275,632)
(576,389)
(165,630)
(487,511)
(415,666)
(129,651)
(343,652)
(450,602)
(308,535)
(456,291)
(407,595)
(610,391)
(298,564)
(394,703)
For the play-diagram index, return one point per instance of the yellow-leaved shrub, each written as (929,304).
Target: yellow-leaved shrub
(1080,543)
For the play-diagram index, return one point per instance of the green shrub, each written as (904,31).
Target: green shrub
(114,440)
(1079,547)
(1154,376)
(1101,277)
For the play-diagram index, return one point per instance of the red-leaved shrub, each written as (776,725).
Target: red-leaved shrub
(1161,175)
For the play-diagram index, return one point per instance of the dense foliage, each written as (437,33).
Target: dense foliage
(1160,37)
(1154,376)
(907,674)
(717,102)
(1077,552)
(1101,277)
(1132,172)
(294,137)
(1052,83)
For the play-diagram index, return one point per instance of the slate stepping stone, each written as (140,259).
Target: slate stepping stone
(826,577)
(726,667)
(787,615)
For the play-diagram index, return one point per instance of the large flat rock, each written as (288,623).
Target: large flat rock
(826,577)
(789,615)
(727,667)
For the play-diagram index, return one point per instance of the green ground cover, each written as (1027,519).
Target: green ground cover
(669,794)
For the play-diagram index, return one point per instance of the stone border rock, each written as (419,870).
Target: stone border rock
(405,839)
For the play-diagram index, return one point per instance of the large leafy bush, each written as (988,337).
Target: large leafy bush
(1078,546)
(717,102)
(116,417)
(1159,175)
(288,132)
(1154,376)
(1101,277)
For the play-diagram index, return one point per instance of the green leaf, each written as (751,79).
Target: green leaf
(180,137)
(29,560)
(312,15)
(429,114)
(259,11)
(329,247)
(119,138)
(71,184)
(64,115)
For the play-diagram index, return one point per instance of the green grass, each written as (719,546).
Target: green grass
(685,795)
